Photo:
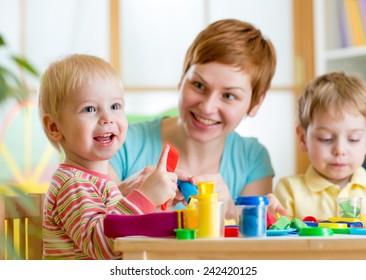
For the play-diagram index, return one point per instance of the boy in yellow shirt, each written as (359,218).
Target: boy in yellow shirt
(332,130)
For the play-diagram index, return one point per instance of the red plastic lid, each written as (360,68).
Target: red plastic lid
(231,231)
(309,219)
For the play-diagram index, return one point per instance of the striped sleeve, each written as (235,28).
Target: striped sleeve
(80,211)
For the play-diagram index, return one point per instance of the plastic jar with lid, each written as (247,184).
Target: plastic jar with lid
(211,212)
(252,215)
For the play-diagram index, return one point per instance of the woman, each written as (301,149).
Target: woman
(227,72)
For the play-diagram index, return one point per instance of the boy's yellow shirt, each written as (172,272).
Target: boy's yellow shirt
(310,194)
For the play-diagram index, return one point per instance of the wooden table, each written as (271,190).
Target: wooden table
(270,248)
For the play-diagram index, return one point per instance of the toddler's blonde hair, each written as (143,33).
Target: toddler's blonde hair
(334,92)
(63,78)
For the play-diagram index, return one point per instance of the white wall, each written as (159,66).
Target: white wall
(156,34)
(154,37)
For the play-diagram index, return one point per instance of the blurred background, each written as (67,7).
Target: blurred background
(145,41)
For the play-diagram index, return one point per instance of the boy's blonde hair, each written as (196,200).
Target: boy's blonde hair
(64,77)
(334,92)
(239,44)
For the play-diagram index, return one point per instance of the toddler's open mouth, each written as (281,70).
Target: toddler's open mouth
(105,138)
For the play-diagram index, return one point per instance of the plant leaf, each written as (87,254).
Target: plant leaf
(2,41)
(24,64)
(11,86)
(4,89)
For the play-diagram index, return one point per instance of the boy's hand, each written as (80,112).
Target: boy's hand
(161,185)
(275,206)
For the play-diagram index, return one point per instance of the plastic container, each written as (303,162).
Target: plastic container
(252,215)
(316,231)
(211,223)
(348,207)
(184,234)
(190,215)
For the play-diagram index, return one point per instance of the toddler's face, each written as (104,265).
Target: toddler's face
(93,123)
(336,144)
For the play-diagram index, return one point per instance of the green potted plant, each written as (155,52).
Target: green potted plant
(13,86)
(11,83)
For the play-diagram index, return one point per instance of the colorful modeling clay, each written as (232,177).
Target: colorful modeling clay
(187,189)
(252,215)
(153,225)
(171,164)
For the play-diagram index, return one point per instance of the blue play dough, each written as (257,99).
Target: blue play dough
(252,215)
(187,189)
(252,222)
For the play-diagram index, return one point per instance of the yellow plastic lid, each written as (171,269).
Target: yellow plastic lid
(332,225)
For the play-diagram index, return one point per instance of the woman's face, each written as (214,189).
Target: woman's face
(214,98)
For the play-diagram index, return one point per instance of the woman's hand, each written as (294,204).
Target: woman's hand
(222,189)
(179,198)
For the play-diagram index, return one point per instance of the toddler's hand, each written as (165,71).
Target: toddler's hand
(275,206)
(161,185)
(135,181)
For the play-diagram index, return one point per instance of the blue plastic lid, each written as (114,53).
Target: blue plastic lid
(251,200)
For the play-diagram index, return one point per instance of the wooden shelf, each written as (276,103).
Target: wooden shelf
(330,55)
